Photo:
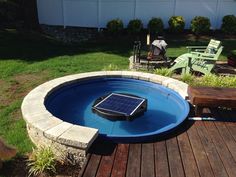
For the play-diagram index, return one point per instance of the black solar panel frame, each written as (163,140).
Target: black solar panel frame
(142,100)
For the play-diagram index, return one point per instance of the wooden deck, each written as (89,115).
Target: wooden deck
(201,148)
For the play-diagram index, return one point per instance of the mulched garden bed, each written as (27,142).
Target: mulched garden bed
(18,168)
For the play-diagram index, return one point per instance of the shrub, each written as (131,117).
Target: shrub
(155,25)
(176,24)
(115,26)
(135,26)
(42,160)
(200,25)
(163,72)
(229,24)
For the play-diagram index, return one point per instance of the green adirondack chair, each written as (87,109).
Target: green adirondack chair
(199,58)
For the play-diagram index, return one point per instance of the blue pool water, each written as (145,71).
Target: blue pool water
(166,108)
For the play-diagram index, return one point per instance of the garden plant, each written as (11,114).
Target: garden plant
(156,26)
(176,24)
(135,26)
(229,24)
(115,26)
(200,25)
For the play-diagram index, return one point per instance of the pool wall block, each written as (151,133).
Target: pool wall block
(69,142)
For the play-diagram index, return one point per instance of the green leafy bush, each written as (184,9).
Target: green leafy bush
(135,26)
(200,25)
(115,26)
(163,72)
(41,161)
(229,24)
(155,25)
(176,24)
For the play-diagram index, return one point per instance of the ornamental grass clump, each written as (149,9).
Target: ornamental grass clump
(41,161)
(188,78)
(176,24)
(200,25)
(163,72)
(212,80)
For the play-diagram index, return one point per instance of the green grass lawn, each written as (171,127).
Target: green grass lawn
(27,60)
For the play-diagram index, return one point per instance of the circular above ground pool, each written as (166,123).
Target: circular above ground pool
(68,113)
(73,103)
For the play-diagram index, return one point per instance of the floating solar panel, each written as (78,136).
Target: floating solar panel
(117,106)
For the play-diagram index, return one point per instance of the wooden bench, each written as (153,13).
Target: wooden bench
(211,97)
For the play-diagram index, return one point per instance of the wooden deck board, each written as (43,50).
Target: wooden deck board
(230,125)
(92,166)
(106,165)
(227,137)
(222,149)
(175,163)
(147,164)
(189,163)
(120,161)
(212,154)
(200,155)
(161,160)
(134,161)
(197,149)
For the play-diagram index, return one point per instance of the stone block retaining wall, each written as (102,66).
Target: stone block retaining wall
(69,142)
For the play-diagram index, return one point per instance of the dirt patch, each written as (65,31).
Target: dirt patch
(222,68)
(2,81)
(24,83)
(15,168)
(19,86)
(16,115)
(4,86)
(68,170)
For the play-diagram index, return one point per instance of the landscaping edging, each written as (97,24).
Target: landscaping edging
(45,129)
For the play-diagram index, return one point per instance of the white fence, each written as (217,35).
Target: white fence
(96,13)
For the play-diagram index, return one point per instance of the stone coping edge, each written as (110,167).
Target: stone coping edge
(37,116)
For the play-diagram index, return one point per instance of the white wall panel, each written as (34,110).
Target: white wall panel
(116,9)
(148,9)
(80,13)
(96,13)
(50,12)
